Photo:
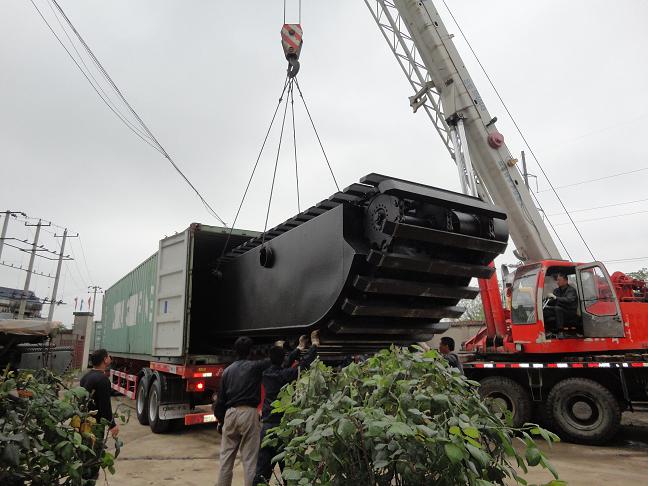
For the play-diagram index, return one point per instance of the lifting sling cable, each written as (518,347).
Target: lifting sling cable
(254,168)
(319,140)
(292,42)
(274,174)
(292,109)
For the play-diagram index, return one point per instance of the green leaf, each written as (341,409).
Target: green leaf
(346,428)
(291,474)
(454,453)
(533,456)
(11,455)
(380,464)
(454,430)
(471,432)
(483,458)
(400,428)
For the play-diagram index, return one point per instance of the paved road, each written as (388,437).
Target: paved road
(190,457)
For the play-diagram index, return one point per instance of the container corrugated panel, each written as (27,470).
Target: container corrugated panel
(129,311)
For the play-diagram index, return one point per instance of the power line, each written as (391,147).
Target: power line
(587,181)
(519,130)
(606,217)
(626,260)
(85,262)
(154,142)
(601,207)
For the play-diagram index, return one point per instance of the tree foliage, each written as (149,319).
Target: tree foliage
(399,418)
(48,435)
(641,274)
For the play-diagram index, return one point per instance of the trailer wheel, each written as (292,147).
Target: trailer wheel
(583,411)
(141,400)
(158,426)
(506,394)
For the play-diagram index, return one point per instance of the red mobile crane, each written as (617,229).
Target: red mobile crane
(581,381)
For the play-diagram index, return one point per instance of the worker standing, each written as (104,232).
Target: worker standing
(236,410)
(446,348)
(98,386)
(274,378)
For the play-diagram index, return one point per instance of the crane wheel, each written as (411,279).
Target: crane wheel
(583,411)
(506,394)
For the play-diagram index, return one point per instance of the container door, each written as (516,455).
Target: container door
(171,295)
(599,305)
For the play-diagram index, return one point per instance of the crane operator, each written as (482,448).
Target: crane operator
(562,304)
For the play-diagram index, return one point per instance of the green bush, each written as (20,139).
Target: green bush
(48,435)
(399,418)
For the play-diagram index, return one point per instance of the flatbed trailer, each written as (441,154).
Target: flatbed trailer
(579,397)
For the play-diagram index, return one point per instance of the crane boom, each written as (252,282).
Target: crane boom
(446,91)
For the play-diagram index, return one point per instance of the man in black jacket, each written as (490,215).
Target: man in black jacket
(274,378)
(563,303)
(98,385)
(236,410)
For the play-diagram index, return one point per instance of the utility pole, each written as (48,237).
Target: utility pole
(95,289)
(23,301)
(53,303)
(5,225)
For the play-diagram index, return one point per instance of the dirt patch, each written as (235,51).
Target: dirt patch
(190,457)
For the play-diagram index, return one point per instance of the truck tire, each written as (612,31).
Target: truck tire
(583,411)
(158,426)
(507,394)
(141,400)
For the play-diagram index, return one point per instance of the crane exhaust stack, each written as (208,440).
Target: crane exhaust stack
(381,262)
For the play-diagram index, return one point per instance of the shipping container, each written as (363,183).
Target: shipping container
(164,307)
(156,322)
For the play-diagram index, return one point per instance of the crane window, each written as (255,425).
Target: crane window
(598,297)
(523,309)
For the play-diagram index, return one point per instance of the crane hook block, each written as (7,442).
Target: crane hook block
(495,140)
(291,41)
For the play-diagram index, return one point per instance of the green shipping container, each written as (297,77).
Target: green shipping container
(165,308)
(128,312)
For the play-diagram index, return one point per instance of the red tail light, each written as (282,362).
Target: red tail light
(195,386)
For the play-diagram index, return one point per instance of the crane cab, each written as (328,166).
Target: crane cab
(597,321)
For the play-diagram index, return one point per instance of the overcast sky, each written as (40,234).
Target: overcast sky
(206,75)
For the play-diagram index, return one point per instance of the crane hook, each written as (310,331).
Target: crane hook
(291,41)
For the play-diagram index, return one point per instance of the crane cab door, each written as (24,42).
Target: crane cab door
(599,306)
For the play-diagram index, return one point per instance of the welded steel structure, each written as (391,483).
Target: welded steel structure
(381,262)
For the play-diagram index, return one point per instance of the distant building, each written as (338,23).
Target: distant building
(10,303)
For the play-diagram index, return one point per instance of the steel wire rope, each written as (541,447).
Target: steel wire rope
(107,100)
(292,109)
(156,144)
(519,130)
(626,260)
(274,174)
(588,181)
(254,168)
(89,81)
(85,262)
(162,150)
(602,207)
(606,217)
(301,95)
(284,11)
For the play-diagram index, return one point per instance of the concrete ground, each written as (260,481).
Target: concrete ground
(190,457)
